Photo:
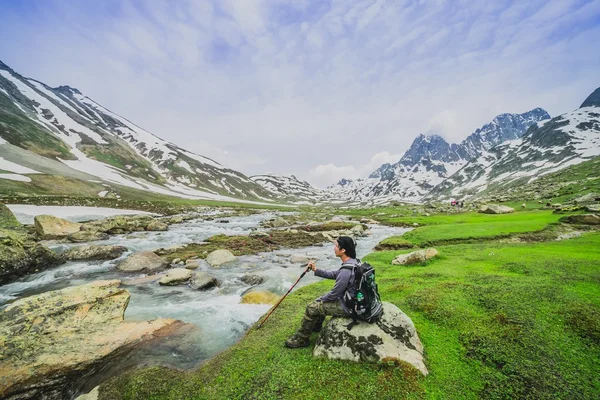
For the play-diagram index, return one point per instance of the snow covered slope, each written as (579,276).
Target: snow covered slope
(566,140)
(63,124)
(290,188)
(430,160)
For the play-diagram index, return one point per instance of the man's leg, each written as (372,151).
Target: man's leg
(315,313)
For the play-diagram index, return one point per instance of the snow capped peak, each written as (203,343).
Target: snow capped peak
(593,100)
(68,90)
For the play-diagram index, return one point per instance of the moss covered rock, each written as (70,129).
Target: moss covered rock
(50,227)
(7,218)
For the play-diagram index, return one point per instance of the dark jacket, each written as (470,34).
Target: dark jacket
(344,279)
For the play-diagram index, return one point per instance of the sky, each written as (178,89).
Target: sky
(321,89)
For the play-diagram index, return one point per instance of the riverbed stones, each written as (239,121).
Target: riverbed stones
(21,255)
(175,276)
(299,259)
(252,280)
(393,337)
(202,281)
(593,208)
(49,227)
(220,257)
(584,219)
(142,261)
(416,257)
(94,252)
(495,209)
(587,198)
(157,226)
(260,297)
(51,342)
(87,236)
(258,234)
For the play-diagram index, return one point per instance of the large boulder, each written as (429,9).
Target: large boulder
(7,218)
(52,342)
(94,252)
(593,208)
(220,257)
(393,337)
(584,219)
(49,227)
(299,259)
(495,209)
(260,297)
(87,236)
(21,255)
(143,261)
(202,281)
(157,226)
(119,224)
(587,198)
(416,257)
(175,276)
(252,280)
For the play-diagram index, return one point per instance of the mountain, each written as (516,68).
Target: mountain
(64,125)
(566,140)
(430,160)
(290,188)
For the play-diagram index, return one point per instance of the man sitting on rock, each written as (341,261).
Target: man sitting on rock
(331,303)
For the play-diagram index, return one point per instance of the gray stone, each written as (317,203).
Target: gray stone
(87,236)
(220,257)
(157,226)
(94,252)
(258,234)
(50,227)
(593,208)
(299,259)
(202,281)
(392,337)
(175,276)
(142,261)
(495,209)
(587,198)
(416,257)
(252,280)
(585,219)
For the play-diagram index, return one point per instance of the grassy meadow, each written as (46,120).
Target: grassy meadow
(499,319)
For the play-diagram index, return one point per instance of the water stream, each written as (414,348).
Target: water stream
(217,313)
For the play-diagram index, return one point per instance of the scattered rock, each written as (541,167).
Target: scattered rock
(416,257)
(157,226)
(358,230)
(593,208)
(260,297)
(94,252)
(194,264)
(368,221)
(495,209)
(392,337)
(252,280)
(87,236)
(175,276)
(220,257)
(51,342)
(258,234)
(587,198)
(176,260)
(119,224)
(142,261)
(21,255)
(49,227)
(299,259)
(585,219)
(202,281)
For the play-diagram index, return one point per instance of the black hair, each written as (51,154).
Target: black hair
(348,244)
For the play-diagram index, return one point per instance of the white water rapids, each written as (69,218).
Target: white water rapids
(218,314)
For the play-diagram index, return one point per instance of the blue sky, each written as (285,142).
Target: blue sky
(319,89)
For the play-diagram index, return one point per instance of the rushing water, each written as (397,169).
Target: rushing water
(218,314)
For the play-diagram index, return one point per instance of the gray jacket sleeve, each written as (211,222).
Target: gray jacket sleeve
(325,274)
(341,284)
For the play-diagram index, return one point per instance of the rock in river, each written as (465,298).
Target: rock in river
(49,227)
(52,341)
(94,252)
(142,261)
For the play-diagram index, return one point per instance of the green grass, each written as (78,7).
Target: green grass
(497,320)
(465,227)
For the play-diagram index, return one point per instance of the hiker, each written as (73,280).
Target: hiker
(331,303)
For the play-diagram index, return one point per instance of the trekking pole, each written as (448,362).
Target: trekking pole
(279,302)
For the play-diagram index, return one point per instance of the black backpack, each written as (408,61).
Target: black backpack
(366,305)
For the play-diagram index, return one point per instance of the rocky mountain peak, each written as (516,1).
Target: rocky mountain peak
(67,90)
(593,99)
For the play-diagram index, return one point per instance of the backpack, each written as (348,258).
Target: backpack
(366,305)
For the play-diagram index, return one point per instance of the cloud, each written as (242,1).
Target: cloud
(326,175)
(283,85)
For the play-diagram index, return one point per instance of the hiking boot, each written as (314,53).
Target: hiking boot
(297,341)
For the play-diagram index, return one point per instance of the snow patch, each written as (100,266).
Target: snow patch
(15,177)
(16,168)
